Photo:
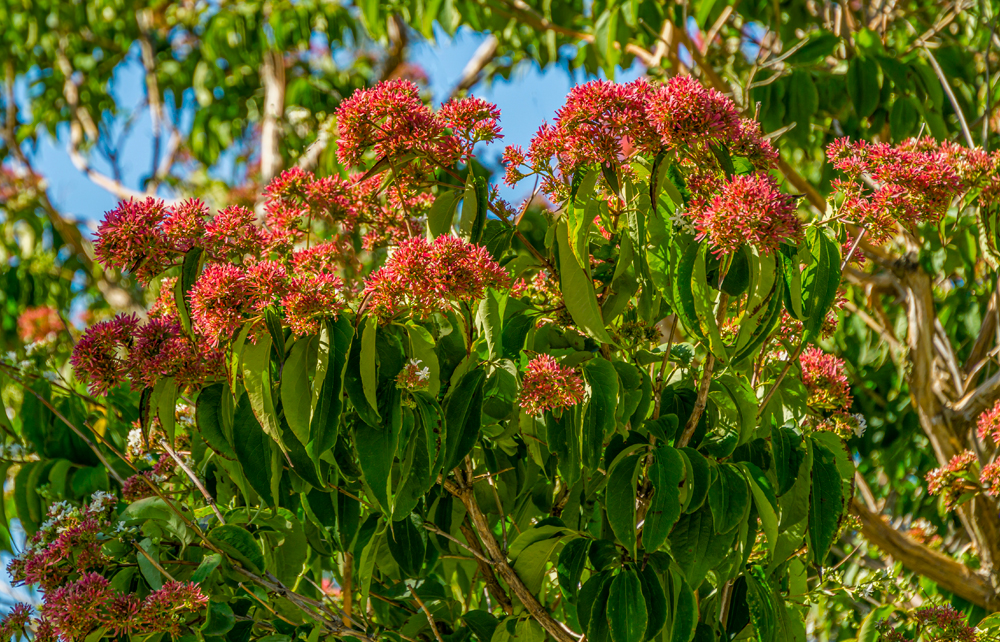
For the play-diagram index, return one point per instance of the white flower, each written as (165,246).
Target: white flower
(862,425)
(100,501)
(135,440)
(424,375)
(683,222)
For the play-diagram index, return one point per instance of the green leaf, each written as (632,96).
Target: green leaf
(441,214)
(489,320)
(148,567)
(335,340)
(572,560)
(407,544)
(666,472)
(209,419)
(820,282)
(208,564)
(599,414)
(463,417)
(219,619)
(376,450)
(764,605)
(697,479)
(763,498)
(656,601)
(591,594)
(578,290)
(788,457)
(826,502)
(256,368)
(903,118)
(729,497)
(695,545)
(165,394)
(238,544)
(704,305)
(620,500)
(862,85)
(189,274)
(683,609)
(531,564)
(475,205)
(368,372)
(295,383)
(682,292)
(482,623)
(253,449)
(802,100)
(627,608)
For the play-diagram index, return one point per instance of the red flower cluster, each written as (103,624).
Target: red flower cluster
(748,209)
(427,277)
(69,542)
(549,386)
(988,424)
(89,603)
(391,121)
(39,324)
(113,351)
(137,487)
(914,182)
(950,624)
(955,479)
(603,123)
(824,378)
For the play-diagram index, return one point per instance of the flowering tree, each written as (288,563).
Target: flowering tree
(394,409)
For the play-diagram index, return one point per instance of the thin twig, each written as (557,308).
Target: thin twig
(194,479)
(155,564)
(430,618)
(951,96)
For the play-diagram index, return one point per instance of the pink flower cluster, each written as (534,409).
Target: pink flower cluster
(392,121)
(913,182)
(89,603)
(424,277)
(549,386)
(111,352)
(956,479)
(68,543)
(603,123)
(39,324)
(137,487)
(748,209)
(824,378)
(988,424)
(950,624)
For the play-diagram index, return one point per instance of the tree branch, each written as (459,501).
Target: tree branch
(473,71)
(482,526)
(951,575)
(272,76)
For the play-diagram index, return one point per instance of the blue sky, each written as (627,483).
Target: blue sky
(526,100)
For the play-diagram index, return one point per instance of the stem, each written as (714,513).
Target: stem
(194,479)
(704,384)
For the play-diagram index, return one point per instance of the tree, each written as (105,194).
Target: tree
(908,66)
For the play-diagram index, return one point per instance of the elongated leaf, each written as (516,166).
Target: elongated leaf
(256,369)
(820,282)
(666,472)
(620,500)
(656,601)
(578,290)
(376,449)
(683,295)
(826,503)
(208,417)
(862,85)
(463,417)
(704,305)
(441,214)
(368,364)
(295,400)
(763,499)
(729,497)
(599,416)
(695,545)
(627,608)
(572,560)
(407,544)
(238,544)
(253,449)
